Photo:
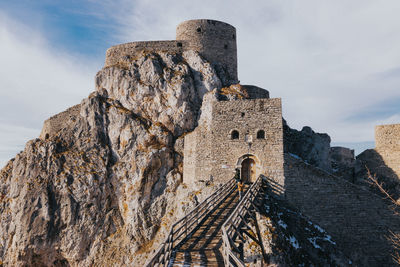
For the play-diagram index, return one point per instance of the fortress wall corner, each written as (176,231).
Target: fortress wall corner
(387,144)
(189,159)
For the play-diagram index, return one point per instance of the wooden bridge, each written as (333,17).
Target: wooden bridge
(213,233)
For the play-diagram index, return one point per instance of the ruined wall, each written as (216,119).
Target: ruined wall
(118,53)
(214,40)
(61,120)
(358,220)
(342,162)
(217,154)
(387,142)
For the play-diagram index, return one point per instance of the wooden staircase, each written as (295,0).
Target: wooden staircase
(204,246)
(212,233)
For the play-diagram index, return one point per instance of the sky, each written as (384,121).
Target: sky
(335,64)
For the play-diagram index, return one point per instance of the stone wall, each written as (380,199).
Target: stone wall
(387,142)
(122,52)
(210,151)
(342,162)
(214,40)
(358,220)
(54,124)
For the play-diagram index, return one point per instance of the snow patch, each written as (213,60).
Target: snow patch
(267,208)
(294,242)
(319,228)
(329,239)
(313,241)
(295,156)
(282,224)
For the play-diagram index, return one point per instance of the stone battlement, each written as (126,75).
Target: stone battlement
(213,40)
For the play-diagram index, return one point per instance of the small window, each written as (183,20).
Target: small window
(226,46)
(234,134)
(198,30)
(233,36)
(261,134)
(242,114)
(179,44)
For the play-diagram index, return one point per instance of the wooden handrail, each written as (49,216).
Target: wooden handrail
(183,227)
(233,222)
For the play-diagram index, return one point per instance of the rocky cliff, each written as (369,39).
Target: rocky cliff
(312,147)
(104,185)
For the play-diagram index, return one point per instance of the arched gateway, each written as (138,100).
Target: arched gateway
(249,165)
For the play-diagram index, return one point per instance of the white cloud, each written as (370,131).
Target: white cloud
(35,83)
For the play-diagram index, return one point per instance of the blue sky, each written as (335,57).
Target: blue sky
(71,26)
(335,64)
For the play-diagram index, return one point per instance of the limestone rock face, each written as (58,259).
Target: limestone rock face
(105,188)
(312,147)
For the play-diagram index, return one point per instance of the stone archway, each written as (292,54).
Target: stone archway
(249,166)
(248,171)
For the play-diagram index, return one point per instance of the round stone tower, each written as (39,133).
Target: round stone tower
(214,40)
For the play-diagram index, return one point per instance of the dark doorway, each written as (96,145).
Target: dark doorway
(248,170)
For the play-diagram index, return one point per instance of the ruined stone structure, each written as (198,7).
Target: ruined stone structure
(245,131)
(214,40)
(342,161)
(245,134)
(54,124)
(387,144)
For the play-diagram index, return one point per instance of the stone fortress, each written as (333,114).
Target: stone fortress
(244,133)
(247,131)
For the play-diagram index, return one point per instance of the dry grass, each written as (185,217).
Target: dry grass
(235,89)
(394,237)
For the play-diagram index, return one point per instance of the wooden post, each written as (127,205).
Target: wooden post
(265,256)
(186,226)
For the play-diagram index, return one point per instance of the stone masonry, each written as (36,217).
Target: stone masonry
(212,151)
(387,144)
(54,124)
(358,220)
